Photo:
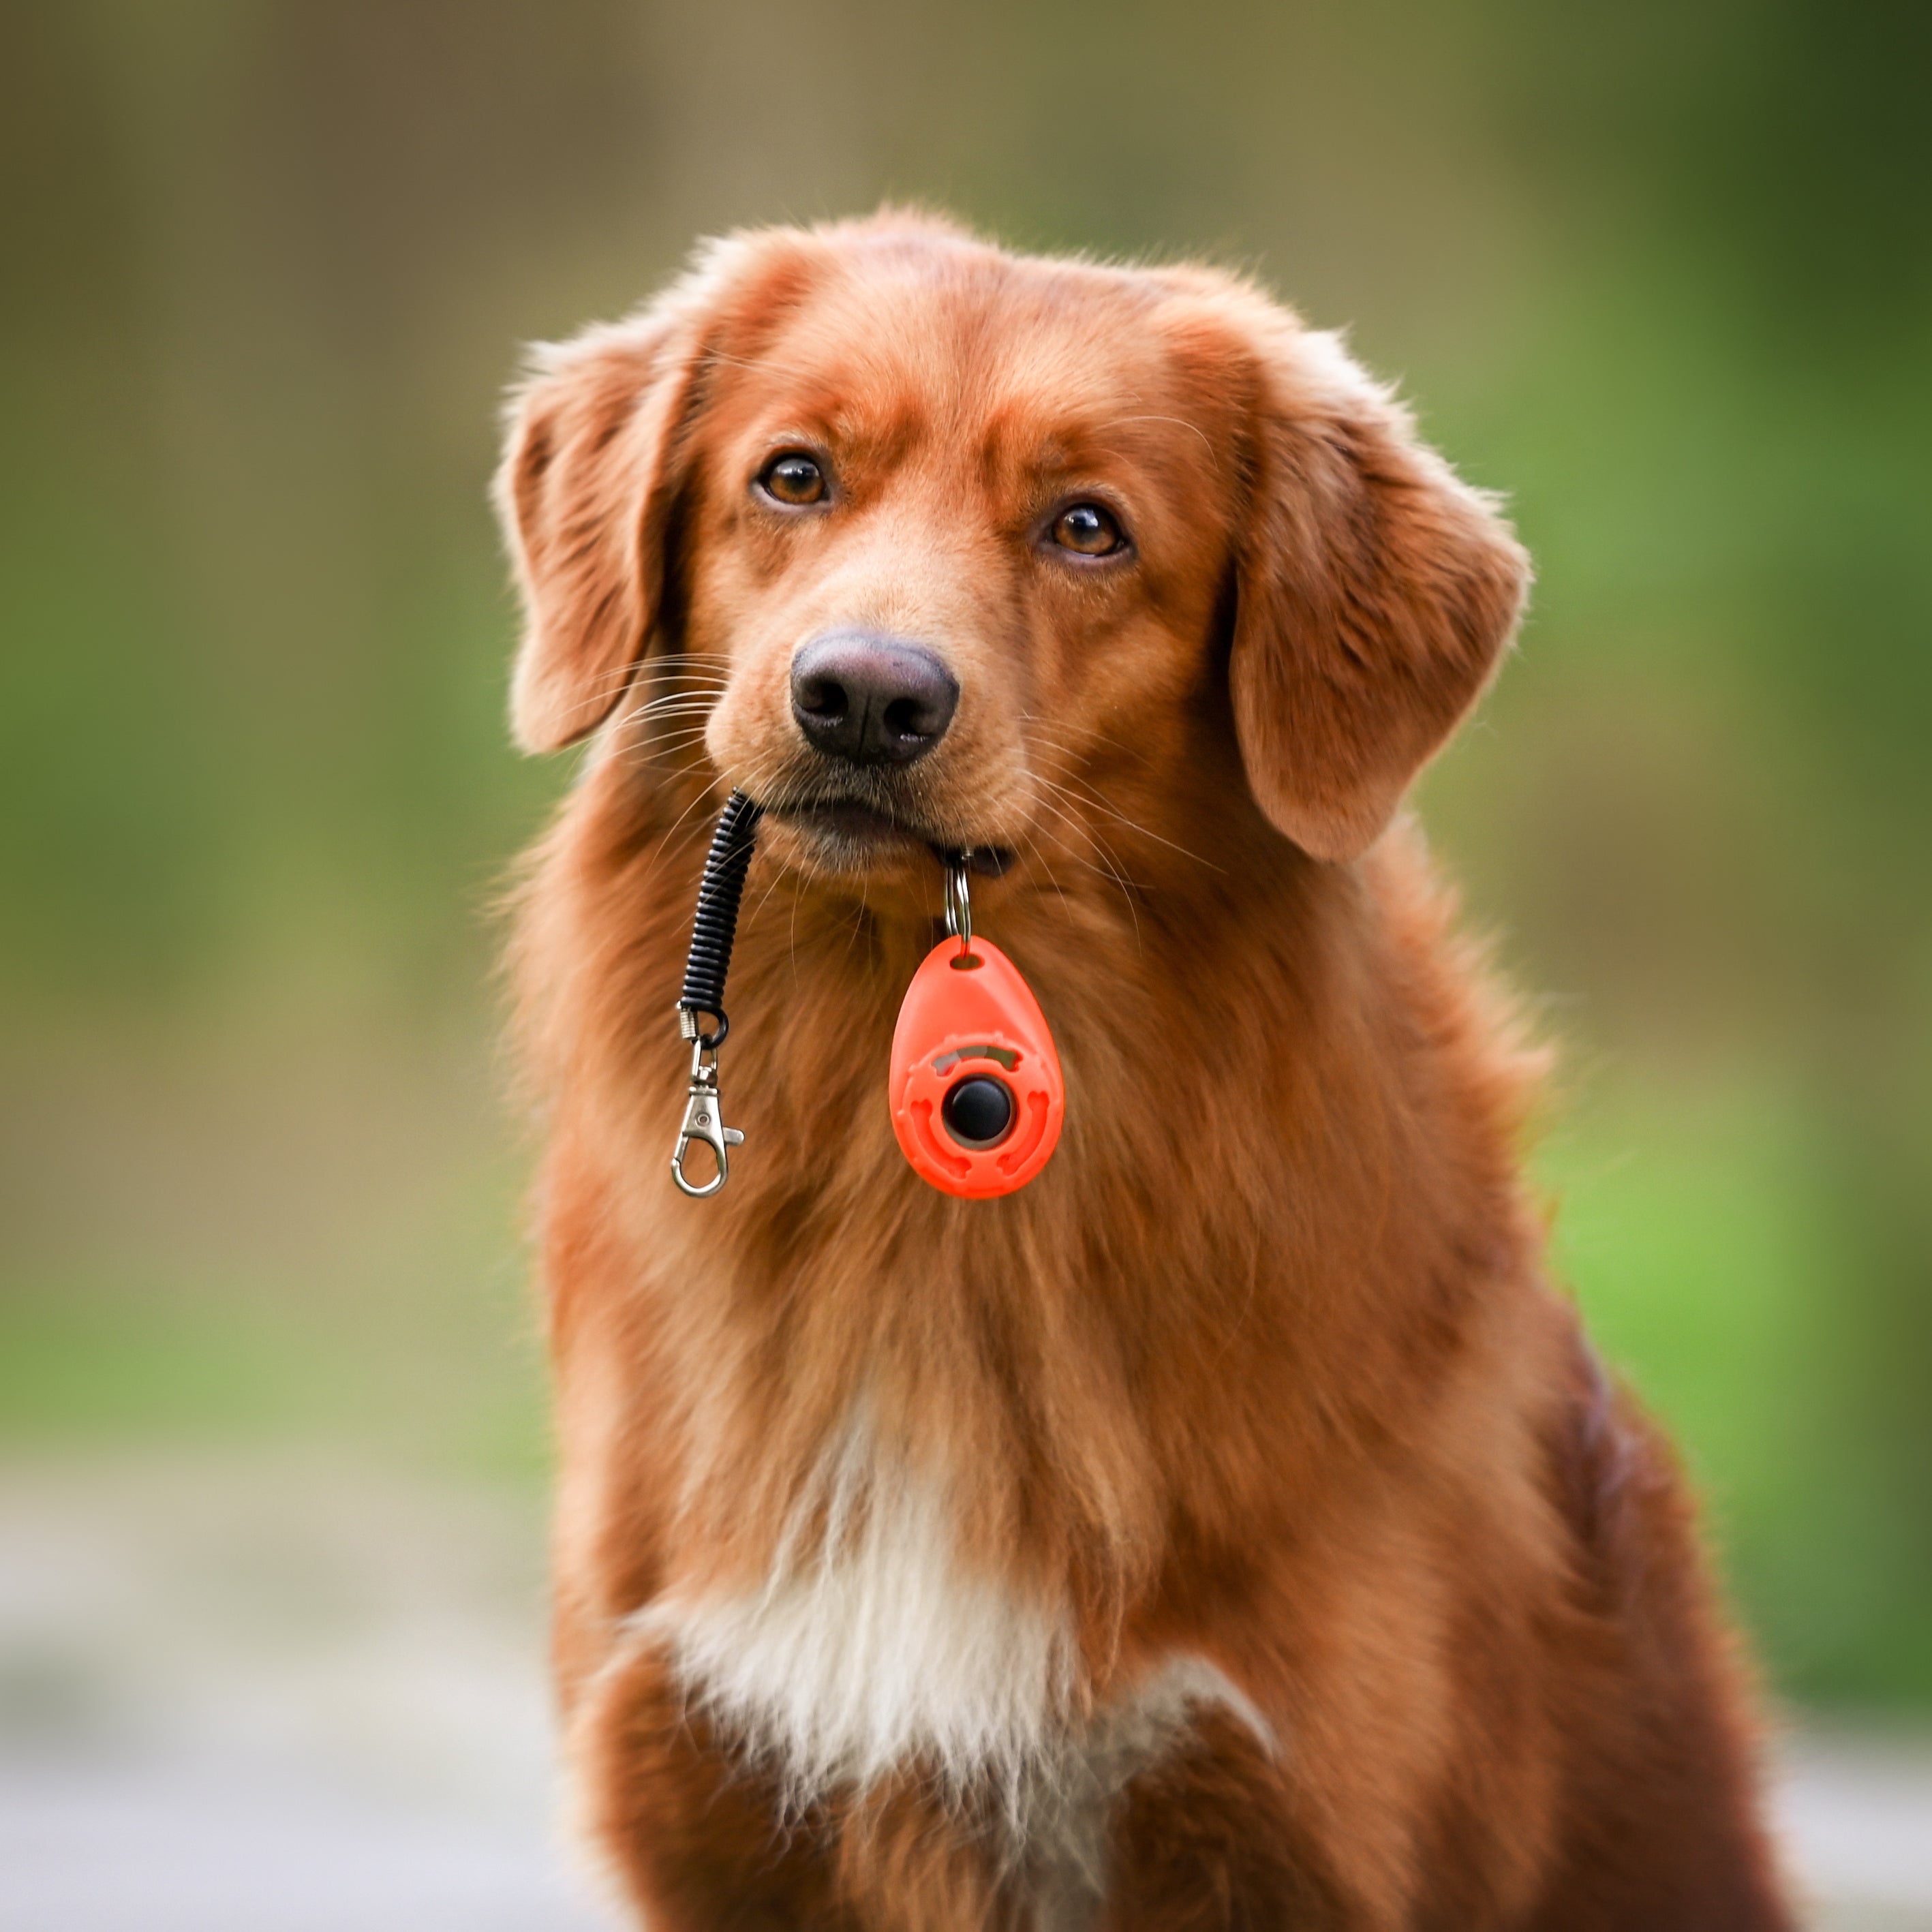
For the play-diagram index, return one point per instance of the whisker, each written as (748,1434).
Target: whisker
(776,878)
(1039,859)
(640,756)
(700,797)
(672,700)
(675,706)
(1040,727)
(671,705)
(602,687)
(791,943)
(673,733)
(1103,864)
(1099,799)
(1115,864)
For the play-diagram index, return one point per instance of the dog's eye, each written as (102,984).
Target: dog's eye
(792,479)
(1088,529)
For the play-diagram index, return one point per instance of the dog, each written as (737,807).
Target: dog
(1231,1528)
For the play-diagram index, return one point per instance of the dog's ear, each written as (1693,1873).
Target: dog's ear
(1375,594)
(592,469)
(583,495)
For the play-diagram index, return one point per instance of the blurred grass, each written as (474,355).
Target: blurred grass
(116,1364)
(1663,272)
(312,1242)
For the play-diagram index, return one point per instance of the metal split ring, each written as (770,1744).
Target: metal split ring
(958,901)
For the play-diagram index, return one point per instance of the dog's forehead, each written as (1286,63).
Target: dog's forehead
(1033,360)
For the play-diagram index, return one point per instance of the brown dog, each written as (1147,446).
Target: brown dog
(1229,1529)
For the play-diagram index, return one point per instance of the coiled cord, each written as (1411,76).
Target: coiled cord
(715,924)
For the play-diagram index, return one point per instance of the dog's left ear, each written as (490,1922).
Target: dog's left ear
(1375,593)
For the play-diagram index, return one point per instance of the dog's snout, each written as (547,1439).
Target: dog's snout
(871,700)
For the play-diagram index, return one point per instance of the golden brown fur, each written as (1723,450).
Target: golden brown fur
(1260,1374)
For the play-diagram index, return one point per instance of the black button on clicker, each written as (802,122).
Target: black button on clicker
(978,1111)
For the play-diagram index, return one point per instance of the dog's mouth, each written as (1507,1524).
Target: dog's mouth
(849,821)
(849,835)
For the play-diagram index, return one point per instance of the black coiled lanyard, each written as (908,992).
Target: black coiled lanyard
(713,932)
(950,1017)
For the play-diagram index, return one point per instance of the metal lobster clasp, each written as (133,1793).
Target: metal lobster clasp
(704,1122)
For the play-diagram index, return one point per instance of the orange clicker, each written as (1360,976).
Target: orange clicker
(977,1094)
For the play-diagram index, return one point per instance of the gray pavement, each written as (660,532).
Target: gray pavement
(291,1695)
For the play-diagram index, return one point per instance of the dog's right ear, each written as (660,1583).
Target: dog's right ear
(584,494)
(594,463)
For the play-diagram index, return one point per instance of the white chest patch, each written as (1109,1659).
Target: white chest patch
(869,1646)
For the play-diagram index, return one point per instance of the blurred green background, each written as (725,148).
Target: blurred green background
(1662,272)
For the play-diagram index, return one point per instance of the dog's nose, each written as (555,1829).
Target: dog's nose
(871,700)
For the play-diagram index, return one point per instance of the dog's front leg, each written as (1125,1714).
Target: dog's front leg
(1208,1840)
(703,1839)
(695,1834)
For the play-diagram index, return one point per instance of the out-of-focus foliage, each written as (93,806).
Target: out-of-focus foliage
(1663,272)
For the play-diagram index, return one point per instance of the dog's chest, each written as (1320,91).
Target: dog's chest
(869,1644)
(872,1645)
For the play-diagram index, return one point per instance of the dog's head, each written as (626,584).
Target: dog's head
(911,538)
